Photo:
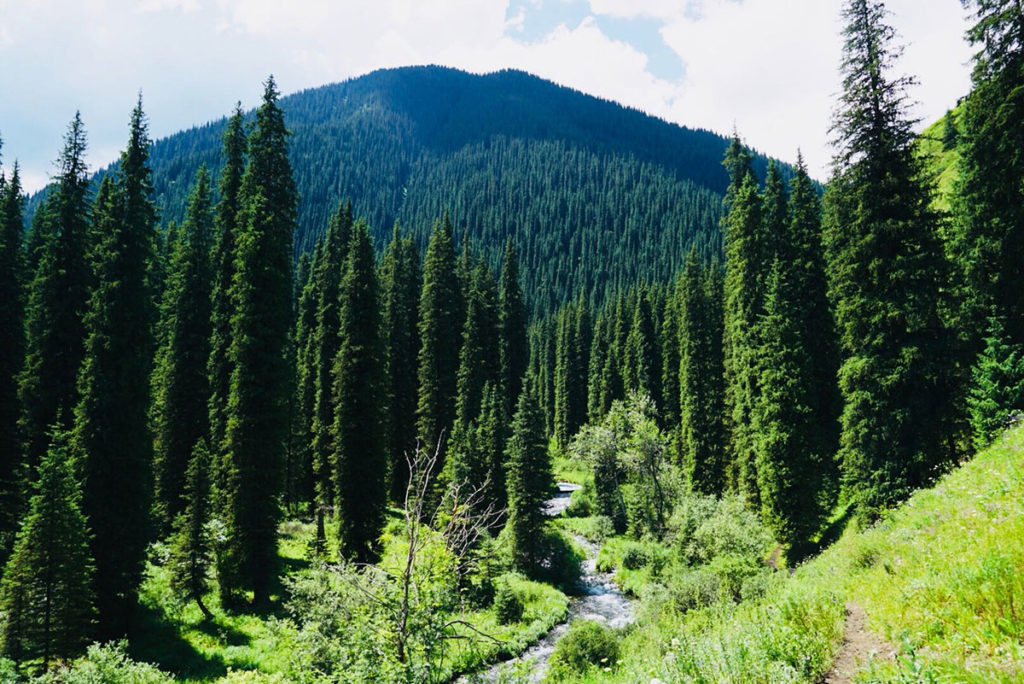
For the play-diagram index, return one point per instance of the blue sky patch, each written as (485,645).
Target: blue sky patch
(642,33)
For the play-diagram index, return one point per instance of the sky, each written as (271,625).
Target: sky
(766,68)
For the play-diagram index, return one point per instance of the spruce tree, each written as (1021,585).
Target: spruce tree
(479,356)
(669,343)
(222,307)
(180,380)
(640,363)
(328,272)
(887,273)
(46,596)
(11,353)
(111,433)
(299,481)
(996,395)
(191,551)
(57,295)
(401,285)
(528,482)
(950,132)
(989,203)
(745,252)
(702,406)
(440,322)
(360,451)
(257,411)
(512,324)
(788,455)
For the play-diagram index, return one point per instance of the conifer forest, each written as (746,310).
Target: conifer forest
(438,377)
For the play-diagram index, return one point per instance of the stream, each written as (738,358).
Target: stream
(599,599)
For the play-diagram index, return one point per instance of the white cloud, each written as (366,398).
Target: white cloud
(631,9)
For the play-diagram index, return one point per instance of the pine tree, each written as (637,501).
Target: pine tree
(512,324)
(401,284)
(528,481)
(639,363)
(46,596)
(257,411)
(669,343)
(111,433)
(788,456)
(803,253)
(745,251)
(989,203)
(328,272)
(440,321)
(57,295)
(887,271)
(191,550)
(12,353)
(702,406)
(360,457)
(222,306)
(479,356)
(299,487)
(997,391)
(180,381)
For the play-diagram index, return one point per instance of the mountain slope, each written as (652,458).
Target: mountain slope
(595,195)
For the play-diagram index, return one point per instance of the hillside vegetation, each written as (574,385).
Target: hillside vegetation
(941,580)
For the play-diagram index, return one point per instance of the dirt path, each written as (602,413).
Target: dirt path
(860,645)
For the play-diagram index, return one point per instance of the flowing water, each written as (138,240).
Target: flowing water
(599,599)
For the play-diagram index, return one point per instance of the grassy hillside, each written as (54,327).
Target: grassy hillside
(933,592)
(941,164)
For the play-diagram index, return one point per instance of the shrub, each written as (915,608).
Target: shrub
(107,664)
(586,645)
(507,606)
(693,589)
(561,562)
(635,557)
(581,503)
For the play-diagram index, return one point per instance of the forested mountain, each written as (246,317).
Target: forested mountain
(596,196)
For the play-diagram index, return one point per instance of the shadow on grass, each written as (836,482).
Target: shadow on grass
(833,531)
(159,642)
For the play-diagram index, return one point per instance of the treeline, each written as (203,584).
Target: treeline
(191,388)
(594,196)
(846,350)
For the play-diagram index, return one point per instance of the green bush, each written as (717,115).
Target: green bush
(695,588)
(581,503)
(107,664)
(562,558)
(635,557)
(587,645)
(507,606)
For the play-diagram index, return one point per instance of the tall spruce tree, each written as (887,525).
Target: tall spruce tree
(299,481)
(512,324)
(743,228)
(57,295)
(111,433)
(528,481)
(439,325)
(328,272)
(887,271)
(12,353)
(222,307)
(479,357)
(702,406)
(257,411)
(401,284)
(46,596)
(788,455)
(360,456)
(639,362)
(180,382)
(989,203)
